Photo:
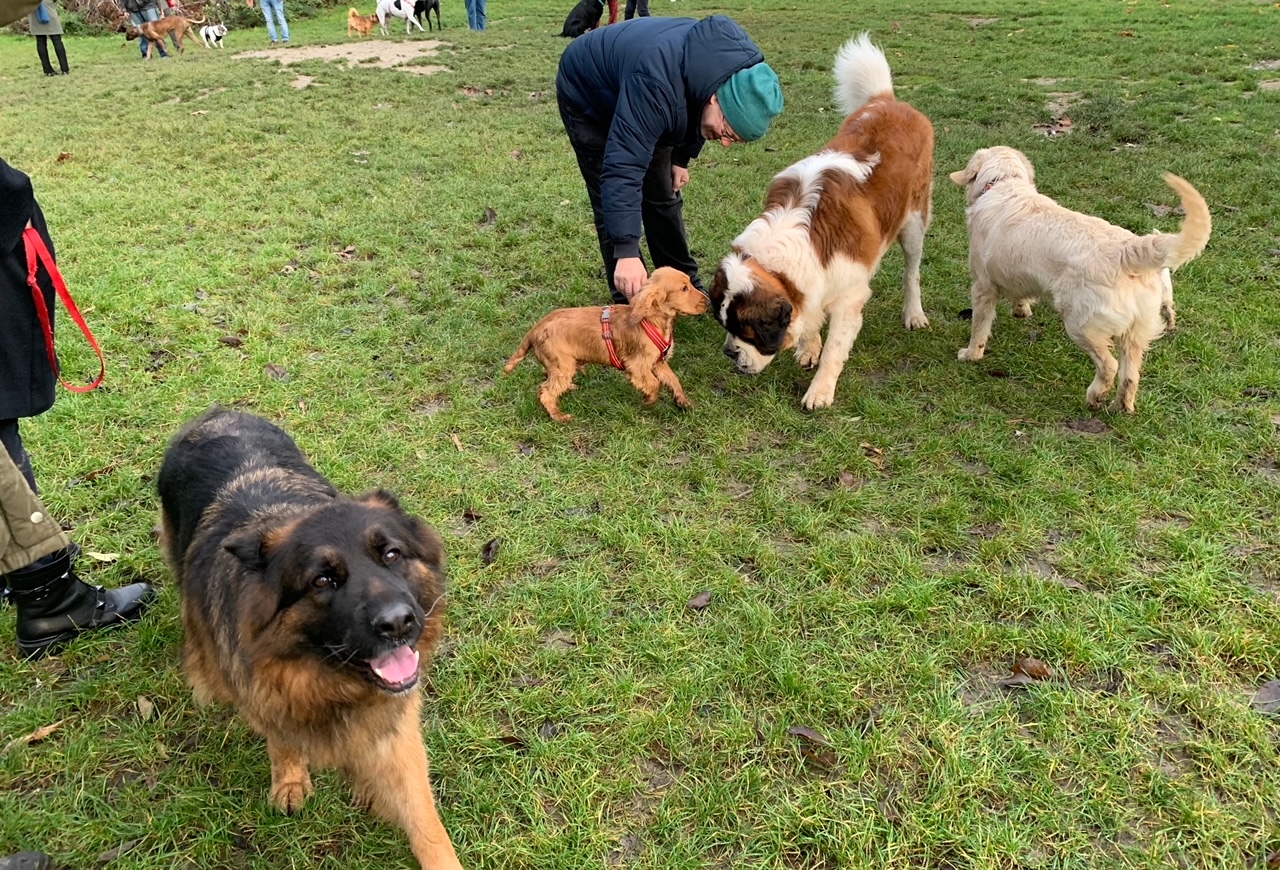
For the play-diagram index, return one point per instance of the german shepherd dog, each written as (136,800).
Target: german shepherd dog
(310,611)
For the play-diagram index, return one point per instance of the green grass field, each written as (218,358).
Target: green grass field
(321,256)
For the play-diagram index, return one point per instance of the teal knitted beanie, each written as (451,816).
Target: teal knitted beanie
(750,100)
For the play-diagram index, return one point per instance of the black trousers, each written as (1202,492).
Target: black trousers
(661,210)
(42,49)
(637,6)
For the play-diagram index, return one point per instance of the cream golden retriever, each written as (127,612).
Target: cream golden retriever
(1111,287)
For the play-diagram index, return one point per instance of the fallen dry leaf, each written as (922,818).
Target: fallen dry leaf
(1267,700)
(102,557)
(278,373)
(808,734)
(1033,668)
(348,253)
(112,854)
(63,156)
(34,737)
(472,516)
(517,154)
(457,442)
(560,640)
(200,113)
(145,707)
(847,480)
(232,341)
(873,453)
(490,551)
(700,601)
(490,216)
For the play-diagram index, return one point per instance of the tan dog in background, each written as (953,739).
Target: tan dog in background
(1110,286)
(568,339)
(362,24)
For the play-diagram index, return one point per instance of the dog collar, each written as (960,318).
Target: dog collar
(990,184)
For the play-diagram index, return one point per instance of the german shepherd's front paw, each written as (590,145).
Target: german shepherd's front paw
(288,797)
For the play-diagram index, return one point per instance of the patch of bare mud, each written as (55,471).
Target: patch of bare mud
(378,53)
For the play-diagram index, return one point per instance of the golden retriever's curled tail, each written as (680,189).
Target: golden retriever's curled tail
(1165,250)
(353,12)
(520,353)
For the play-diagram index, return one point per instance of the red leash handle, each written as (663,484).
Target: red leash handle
(38,254)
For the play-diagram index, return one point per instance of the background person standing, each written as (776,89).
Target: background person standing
(276,8)
(46,30)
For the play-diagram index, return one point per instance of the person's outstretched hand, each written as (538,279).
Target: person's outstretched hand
(629,276)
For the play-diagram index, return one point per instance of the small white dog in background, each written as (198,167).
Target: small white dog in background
(212,35)
(1110,286)
(397,9)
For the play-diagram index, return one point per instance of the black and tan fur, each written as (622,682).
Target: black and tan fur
(310,611)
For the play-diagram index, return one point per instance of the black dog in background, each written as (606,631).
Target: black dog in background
(585,16)
(424,7)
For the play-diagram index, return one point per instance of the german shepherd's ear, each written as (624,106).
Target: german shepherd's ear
(381,498)
(249,545)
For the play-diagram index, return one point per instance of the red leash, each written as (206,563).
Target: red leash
(659,340)
(38,254)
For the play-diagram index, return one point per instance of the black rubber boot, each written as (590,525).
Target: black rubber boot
(26,861)
(54,605)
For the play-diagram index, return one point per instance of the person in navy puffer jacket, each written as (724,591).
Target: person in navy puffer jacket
(638,100)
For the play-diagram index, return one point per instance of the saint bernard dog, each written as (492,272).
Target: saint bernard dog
(827,221)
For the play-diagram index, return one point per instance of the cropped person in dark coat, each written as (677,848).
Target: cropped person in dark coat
(638,100)
(53,603)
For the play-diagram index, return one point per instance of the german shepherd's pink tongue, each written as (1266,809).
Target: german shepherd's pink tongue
(398,666)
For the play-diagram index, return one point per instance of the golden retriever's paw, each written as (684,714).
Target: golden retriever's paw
(1120,406)
(818,396)
(970,354)
(562,418)
(683,402)
(915,320)
(288,797)
(1022,309)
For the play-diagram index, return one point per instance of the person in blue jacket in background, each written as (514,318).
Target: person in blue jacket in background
(638,100)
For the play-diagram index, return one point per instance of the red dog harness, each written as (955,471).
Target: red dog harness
(660,341)
(37,255)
